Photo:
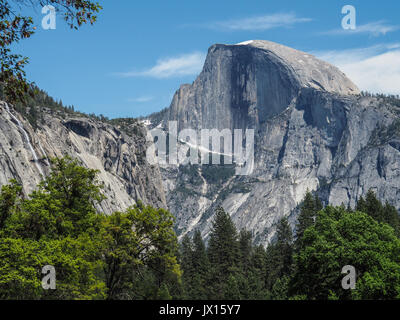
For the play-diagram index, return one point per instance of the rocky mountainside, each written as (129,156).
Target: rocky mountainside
(120,157)
(313,130)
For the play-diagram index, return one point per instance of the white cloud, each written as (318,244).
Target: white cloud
(141,99)
(183,65)
(375,69)
(376,28)
(260,23)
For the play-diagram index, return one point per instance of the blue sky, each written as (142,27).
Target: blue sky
(137,55)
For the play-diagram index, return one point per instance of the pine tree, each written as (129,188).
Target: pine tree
(373,206)
(163,293)
(223,253)
(382,213)
(257,274)
(360,206)
(391,217)
(201,267)
(284,246)
(309,208)
(245,245)
(186,253)
(272,261)
(279,258)
(318,204)
(232,291)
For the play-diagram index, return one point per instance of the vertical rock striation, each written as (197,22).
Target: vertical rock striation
(313,131)
(119,157)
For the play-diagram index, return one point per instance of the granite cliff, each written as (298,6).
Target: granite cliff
(313,130)
(119,157)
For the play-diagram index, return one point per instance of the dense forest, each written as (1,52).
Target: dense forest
(306,267)
(135,254)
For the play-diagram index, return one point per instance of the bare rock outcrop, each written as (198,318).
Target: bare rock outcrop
(119,157)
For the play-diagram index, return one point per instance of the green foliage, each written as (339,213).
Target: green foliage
(142,236)
(341,238)
(128,255)
(8,201)
(382,213)
(135,255)
(195,266)
(309,268)
(309,208)
(230,268)
(163,293)
(279,257)
(223,252)
(280,289)
(63,205)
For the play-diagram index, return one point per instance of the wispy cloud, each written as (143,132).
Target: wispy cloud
(375,29)
(375,68)
(183,65)
(141,99)
(259,23)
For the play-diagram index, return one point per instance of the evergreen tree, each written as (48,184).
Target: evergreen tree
(223,253)
(257,273)
(245,246)
(279,259)
(318,206)
(340,238)
(232,291)
(284,246)
(188,272)
(382,213)
(391,217)
(309,208)
(360,206)
(373,206)
(163,293)
(280,289)
(201,267)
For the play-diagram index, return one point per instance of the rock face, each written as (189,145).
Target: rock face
(313,130)
(120,158)
(243,85)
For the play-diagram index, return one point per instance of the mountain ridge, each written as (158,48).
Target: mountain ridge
(307,137)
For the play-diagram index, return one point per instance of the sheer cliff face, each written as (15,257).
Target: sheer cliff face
(313,131)
(243,85)
(120,159)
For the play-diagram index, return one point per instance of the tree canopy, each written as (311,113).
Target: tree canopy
(135,254)
(96,256)
(341,238)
